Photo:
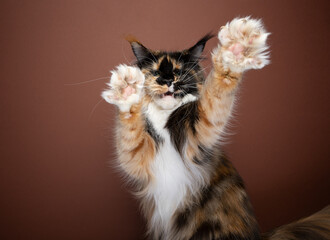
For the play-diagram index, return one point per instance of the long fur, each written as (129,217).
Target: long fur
(170,123)
(315,227)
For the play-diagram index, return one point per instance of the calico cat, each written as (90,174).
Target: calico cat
(170,122)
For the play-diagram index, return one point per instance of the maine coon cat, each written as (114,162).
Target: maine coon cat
(170,123)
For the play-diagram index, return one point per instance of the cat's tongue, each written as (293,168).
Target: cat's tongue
(167,95)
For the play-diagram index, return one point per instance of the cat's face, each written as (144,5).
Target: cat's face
(171,77)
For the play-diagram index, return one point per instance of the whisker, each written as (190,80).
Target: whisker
(122,50)
(90,115)
(193,75)
(88,81)
(188,71)
(180,57)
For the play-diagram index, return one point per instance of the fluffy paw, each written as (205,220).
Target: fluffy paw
(126,85)
(243,45)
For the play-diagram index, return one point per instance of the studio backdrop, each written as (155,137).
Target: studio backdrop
(57,179)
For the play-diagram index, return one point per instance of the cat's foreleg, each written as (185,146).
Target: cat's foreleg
(135,147)
(242,46)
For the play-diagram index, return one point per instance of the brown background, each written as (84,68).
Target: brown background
(56,145)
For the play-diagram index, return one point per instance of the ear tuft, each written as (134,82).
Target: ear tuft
(140,51)
(197,50)
(131,38)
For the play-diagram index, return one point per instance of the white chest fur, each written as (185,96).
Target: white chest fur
(174,177)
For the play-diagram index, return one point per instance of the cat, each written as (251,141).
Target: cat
(170,123)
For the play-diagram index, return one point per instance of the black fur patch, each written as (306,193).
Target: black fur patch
(178,121)
(187,84)
(182,219)
(207,155)
(152,132)
(210,192)
(206,231)
(166,68)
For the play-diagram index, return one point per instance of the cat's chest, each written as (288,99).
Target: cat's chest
(171,177)
(170,185)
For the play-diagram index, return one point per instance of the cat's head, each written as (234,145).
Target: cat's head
(171,77)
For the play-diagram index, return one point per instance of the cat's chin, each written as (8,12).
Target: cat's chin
(167,102)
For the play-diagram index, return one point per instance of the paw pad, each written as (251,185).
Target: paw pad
(126,85)
(243,44)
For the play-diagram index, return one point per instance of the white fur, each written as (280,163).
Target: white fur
(171,103)
(248,34)
(167,102)
(174,177)
(188,98)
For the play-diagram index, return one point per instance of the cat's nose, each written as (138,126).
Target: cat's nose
(163,81)
(168,82)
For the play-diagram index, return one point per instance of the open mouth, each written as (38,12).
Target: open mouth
(167,94)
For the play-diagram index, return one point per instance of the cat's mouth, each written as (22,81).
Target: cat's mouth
(168,94)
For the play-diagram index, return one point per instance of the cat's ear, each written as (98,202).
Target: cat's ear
(140,51)
(196,51)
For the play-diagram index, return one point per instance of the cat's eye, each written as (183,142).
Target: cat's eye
(177,72)
(154,72)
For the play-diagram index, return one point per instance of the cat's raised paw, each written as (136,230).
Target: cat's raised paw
(126,86)
(243,45)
